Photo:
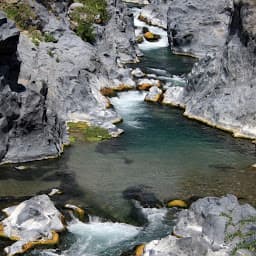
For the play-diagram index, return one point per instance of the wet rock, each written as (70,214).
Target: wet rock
(151,37)
(32,222)
(146,84)
(138,73)
(174,96)
(177,203)
(142,194)
(78,211)
(154,94)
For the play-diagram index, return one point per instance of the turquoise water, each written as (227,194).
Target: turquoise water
(171,155)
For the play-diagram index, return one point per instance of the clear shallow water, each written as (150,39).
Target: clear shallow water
(173,156)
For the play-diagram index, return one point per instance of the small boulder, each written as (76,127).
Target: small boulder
(146,84)
(139,39)
(138,73)
(177,203)
(154,94)
(139,251)
(151,37)
(141,194)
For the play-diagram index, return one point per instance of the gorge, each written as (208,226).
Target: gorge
(51,82)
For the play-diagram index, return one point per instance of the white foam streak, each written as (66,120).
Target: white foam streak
(95,237)
(163,42)
(129,106)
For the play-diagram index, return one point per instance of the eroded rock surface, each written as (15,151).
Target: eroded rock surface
(28,130)
(57,81)
(32,222)
(221,87)
(211,226)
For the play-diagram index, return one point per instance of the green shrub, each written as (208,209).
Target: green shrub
(49,38)
(22,14)
(86,32)
(92,8)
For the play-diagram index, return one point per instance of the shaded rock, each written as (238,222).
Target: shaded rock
(28,131)
(198,27)
(141,194)
(154,94)
(220,89)
(32,222)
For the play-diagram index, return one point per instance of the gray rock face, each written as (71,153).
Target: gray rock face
(58,82)
(25,122)
(221,87)
(32,220)
(197,27)
(212,226)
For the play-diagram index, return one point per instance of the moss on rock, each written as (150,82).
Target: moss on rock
(81,131)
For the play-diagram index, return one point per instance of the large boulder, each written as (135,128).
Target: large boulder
(221,87)
(28,130)
(211,226)
(32,222)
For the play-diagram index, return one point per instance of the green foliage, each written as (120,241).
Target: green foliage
(49,38)
(21,13)
(86,32)
(93,8)
(93,11)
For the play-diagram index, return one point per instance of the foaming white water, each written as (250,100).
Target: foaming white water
(130,106)
(163,42)
(96,237)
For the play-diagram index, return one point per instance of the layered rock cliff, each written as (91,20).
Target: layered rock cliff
(221,87)
(28,129)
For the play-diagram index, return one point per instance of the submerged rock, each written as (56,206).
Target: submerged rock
(32,222)
(142,194)
(211,226)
